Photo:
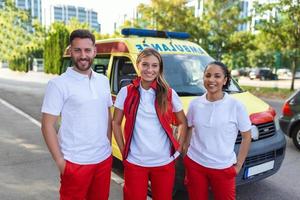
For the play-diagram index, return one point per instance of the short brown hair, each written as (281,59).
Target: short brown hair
(81,33)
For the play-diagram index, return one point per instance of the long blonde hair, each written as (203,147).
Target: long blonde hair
(162,85)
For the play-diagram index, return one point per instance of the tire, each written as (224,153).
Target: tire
(262,78)
(296,136)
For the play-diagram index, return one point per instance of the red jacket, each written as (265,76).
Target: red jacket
(131,105)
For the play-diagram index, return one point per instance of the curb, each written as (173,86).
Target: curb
(31,76)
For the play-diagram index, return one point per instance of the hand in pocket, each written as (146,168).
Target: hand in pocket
(61,166)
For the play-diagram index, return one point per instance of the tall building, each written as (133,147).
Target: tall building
(198,5)
(64,13)
(34,7)
(1,4)
(247,10)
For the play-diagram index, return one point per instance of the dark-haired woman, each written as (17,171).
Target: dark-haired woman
(214,120)
(149,149)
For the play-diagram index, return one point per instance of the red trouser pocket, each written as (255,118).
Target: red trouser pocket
(199,178)
(88,182)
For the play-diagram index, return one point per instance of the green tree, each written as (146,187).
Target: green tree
(55,44)
(283,29)
(262,54)
(73,24)
(220,21)
(212,30)
(20,36)
(170,15)
(240,46)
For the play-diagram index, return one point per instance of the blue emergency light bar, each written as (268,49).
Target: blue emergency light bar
(154,33)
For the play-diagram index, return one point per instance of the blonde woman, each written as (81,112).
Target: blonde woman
(149,149)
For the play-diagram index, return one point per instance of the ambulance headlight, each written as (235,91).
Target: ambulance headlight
(254,132)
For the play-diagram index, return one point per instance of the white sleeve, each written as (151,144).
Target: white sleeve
(119,103)
(109,99)
(53,100)
(244,123)
(190,115)
(176,102)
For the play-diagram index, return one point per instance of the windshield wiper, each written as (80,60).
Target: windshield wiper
(232,91)
(189,94)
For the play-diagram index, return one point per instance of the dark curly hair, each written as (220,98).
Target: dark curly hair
(225,71)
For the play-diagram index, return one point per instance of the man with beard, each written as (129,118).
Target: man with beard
(81,148)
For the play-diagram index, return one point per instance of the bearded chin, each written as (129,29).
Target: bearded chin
(83,68)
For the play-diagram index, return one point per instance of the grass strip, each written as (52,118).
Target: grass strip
(270,93)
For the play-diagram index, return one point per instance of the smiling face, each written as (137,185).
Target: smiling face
(83,52)
(149,67)
(214,79)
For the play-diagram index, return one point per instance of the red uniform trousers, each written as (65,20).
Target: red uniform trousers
(199,178)
(137,177)
(86,182)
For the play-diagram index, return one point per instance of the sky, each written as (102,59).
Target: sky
(109,11)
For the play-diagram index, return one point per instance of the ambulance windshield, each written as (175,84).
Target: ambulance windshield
(184,73)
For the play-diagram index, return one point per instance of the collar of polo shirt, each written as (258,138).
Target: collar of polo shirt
(78,75)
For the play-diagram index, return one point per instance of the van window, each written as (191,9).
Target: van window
(122,73)
(67,62)
(184,73)
(100,64)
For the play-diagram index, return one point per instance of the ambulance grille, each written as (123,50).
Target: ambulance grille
(265,130)
(260,158)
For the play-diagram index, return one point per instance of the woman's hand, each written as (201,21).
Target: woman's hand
(243,151)
(117,128)
(184,148)
(186,143)
(237,167)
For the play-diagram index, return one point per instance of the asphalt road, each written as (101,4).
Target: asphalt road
(28,172)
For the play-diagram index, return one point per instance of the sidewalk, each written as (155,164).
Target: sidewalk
(31,76)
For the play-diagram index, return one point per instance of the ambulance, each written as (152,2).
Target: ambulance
(184,63)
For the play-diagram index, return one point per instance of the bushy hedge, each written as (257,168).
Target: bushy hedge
(55,44)
(19,64)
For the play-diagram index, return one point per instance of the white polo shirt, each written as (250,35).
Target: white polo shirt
(83,104)
(150,145)
(215,129)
